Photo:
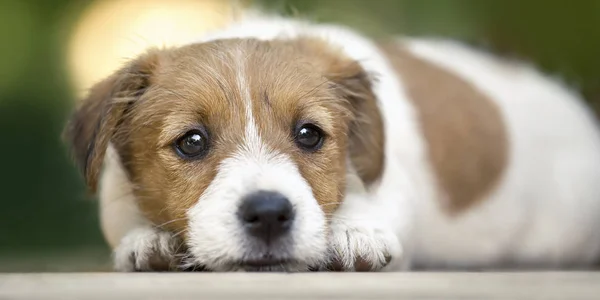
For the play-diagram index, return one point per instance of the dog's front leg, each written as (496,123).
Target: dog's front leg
(366,233)
(137,244)
(362,239)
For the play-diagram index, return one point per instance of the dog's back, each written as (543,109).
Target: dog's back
(518,174)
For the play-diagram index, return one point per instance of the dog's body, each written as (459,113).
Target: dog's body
(454,158)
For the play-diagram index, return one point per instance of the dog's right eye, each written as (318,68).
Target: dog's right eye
(192,145)
(309,137)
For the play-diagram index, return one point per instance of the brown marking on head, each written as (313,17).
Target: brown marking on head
(145,107)
(305,80)
(466,136)
(196,88)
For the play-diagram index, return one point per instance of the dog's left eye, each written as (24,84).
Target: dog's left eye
(193,144)
(309,137)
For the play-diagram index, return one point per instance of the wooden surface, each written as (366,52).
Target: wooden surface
(147,286)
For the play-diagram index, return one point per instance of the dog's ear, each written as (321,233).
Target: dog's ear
(94,123)
(366,131)
(353,83)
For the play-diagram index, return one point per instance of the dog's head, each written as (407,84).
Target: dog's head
(242,146)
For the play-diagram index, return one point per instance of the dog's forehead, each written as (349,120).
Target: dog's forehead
(216,83)
(263,66)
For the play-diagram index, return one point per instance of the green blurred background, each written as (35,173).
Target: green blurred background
(49,223)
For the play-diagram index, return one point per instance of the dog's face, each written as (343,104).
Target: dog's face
(239,146)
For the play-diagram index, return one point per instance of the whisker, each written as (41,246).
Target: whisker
(169,222)
(177,234)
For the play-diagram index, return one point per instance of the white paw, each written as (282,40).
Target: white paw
(146,249)
(362,247)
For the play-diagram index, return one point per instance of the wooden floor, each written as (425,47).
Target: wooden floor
(181,286)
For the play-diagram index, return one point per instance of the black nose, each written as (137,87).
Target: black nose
(266,215)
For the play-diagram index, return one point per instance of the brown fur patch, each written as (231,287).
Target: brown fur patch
(466,136)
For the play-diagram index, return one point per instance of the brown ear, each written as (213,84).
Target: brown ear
(352,82)
(94,123)
(366,135)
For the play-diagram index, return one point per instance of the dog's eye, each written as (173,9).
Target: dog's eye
(193,144)
(309,137)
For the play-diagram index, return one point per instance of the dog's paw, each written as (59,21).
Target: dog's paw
(362,247)
(147,249)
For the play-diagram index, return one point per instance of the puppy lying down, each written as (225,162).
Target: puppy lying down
(282,145)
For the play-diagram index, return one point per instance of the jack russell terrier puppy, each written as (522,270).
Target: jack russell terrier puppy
(279,144)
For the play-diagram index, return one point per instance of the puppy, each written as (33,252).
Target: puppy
(283,145)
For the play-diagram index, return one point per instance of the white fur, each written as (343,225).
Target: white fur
(546,209)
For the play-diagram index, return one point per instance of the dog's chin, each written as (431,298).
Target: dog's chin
(260,265)
(256,256)
(271,266)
